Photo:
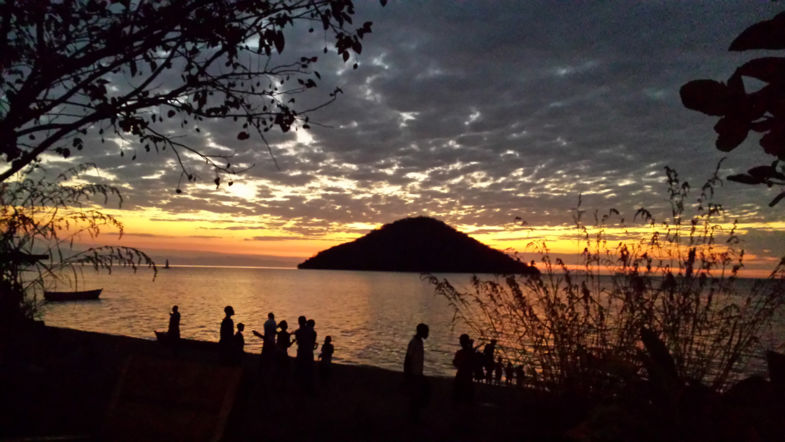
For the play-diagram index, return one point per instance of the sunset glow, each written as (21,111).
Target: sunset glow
(529,125)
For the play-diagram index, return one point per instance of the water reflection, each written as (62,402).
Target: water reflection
(371,315)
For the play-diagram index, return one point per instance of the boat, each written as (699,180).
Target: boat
(72,296)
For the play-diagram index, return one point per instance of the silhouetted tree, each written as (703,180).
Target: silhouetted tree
(761,111)
(127,67)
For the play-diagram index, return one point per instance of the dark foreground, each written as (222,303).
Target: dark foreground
(62,384)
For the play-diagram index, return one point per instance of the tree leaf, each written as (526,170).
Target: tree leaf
(762,172)
(768,34)
(768,69)
(744,179)
(773,143)
(732,131)
(278,40)
(707,96)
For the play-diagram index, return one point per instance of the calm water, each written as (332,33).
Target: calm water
(370,315)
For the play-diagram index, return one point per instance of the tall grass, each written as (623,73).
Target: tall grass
(580,329)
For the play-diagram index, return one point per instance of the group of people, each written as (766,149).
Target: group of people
(471,365)
(489,371)
(478,366)
(276,340)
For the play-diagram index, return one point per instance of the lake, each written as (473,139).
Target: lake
(371,316)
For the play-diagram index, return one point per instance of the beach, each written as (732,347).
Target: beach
(64,384)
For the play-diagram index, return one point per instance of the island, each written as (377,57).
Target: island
(419,244)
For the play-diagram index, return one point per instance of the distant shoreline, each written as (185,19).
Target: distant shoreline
(574,273)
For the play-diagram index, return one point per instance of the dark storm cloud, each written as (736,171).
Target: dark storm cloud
(478,112)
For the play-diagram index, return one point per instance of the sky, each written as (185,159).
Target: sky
(473,112)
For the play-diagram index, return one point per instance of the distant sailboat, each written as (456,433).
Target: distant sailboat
(166,266)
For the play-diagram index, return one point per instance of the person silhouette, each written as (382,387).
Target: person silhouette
(267,358)
(269,330)
(519,376)
(311,324)
(498,371)
(239,344)
(416,385)
(477,362)
(326,360)
(173,332)
(308,357)
(282,344)
(303,336)
(487,360)
(227,335)
(464,361)
(509,373)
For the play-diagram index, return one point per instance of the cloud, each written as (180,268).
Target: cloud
(154,235)
(477,112)
(277,238)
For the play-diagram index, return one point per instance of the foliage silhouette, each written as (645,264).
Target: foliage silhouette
(126,67)
(761,111)
(39,224)
(670,287)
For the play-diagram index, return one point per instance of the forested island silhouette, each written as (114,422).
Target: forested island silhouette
(417,244)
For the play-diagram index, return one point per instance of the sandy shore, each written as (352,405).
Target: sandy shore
(64,383)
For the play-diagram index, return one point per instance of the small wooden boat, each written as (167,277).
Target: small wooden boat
(73,296)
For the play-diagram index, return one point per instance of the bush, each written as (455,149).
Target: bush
(675,281)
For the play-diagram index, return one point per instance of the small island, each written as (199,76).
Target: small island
(420,244)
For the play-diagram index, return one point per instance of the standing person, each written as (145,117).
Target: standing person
(227,335)
(269,330)
(509,373)
(282,344)
(239,344)
(173,333)
(304,360)
(310,345)
(519,376)
(417,386)
(326,360)
(464,361)
(498,371)
(299,337)
(487,360)
(477,362)
(267,358)
(311,330)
